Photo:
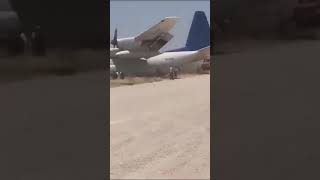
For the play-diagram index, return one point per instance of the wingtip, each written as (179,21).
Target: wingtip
(171,18)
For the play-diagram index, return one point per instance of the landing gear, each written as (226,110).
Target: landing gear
(117,75)
(114,76)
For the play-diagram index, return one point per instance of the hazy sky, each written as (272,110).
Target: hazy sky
(134,17)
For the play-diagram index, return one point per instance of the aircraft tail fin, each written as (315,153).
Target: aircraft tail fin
(199,33)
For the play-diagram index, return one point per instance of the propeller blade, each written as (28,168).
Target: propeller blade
(114,41)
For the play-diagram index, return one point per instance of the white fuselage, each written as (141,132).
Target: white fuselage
(177,59)
(161,64)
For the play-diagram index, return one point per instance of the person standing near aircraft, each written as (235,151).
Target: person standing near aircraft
(37,42)
(23,42)
(171,73)
(175,72)
(121,75)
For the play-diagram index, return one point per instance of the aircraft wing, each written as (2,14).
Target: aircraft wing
(157,36)
(158,42)
(164,26)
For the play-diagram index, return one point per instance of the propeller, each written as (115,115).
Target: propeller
(114,41)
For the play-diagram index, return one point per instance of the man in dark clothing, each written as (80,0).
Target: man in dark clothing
(171,73)
(37,42)
(21,42)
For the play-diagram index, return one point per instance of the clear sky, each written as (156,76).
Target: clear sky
(133,17)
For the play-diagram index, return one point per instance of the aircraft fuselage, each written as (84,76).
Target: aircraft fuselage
(157,65)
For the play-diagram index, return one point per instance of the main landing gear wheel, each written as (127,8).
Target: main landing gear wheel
(114,76)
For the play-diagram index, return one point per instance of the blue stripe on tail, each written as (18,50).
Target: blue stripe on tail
(199,33)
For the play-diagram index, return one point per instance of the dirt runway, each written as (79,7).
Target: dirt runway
(161,130)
